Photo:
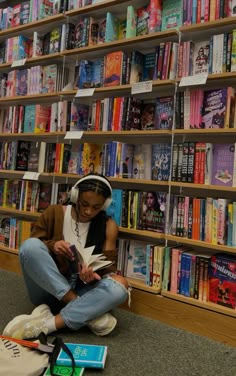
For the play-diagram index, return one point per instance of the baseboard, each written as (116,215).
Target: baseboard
(193,319)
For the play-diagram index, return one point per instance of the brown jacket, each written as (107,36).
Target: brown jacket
(49,229)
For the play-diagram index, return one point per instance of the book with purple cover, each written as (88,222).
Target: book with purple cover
(214,108)
(164,113)
(223,164)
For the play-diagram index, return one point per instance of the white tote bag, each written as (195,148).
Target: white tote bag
(21,361)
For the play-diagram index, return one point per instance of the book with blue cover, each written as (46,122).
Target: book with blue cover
(85,355)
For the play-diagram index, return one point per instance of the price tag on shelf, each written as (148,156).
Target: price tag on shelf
(198,79)
(18,63)
(85,92)
(30,175)
(141,87)
(76,135)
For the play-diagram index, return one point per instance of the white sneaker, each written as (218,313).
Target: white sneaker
(29,326)
(103,325)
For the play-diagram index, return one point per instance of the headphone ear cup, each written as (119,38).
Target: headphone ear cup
(107,203)
(74,194)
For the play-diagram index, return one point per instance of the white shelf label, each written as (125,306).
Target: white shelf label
(30,175)
(85,92)
(198,79)
(18,63)
(74,135)
(141,87)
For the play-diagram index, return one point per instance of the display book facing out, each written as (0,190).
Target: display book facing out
(146,132)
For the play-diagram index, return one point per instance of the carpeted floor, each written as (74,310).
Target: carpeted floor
(138,346)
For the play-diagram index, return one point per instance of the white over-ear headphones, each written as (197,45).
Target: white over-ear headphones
(74,193)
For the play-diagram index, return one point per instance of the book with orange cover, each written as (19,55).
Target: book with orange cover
(113,68)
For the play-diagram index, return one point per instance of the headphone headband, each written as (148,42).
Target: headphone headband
(74,194)
(94,177)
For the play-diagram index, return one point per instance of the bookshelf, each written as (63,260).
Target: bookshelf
(159,87)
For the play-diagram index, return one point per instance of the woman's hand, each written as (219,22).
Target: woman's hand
(61,249)
(87,275)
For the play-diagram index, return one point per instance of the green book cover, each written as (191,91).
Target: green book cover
(172,14)
(64,370)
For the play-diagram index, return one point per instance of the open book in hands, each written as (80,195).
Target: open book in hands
(84,256)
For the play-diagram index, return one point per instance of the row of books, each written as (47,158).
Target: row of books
(35,118)
(211,220)
(202,275)
(119,68)
(213,108)
(207,10)
(215,55)
(139,260)
(152,16)
(122,113)
(31,196)
(35,80)
(204,163)
(28,11)
(14,231)
(205,276)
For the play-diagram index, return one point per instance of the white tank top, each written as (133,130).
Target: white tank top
(69,226)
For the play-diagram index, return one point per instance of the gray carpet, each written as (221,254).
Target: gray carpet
(138,346)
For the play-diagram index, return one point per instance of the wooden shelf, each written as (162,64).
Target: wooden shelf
(13,251)
(36,98)
(19,213)
(207,305)
(199,243)
(139,284)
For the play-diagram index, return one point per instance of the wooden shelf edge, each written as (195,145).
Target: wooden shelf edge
(206,305)
(5,249)
(140,285)
(202,244)
(227,21)
(19,213)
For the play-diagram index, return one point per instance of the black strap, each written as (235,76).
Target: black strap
(58,346)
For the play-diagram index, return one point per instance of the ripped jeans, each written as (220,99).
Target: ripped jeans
(46,285)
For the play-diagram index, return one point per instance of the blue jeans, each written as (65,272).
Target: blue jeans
(46,285)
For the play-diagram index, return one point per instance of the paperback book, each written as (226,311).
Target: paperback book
(84,256)
(87,356)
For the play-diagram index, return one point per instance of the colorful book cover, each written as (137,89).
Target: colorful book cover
(49,78)
(131,22)
(63,370)
(133,114)
(127,155)
(148,116)
(153,211)
(93,32)
(88,356)
(24,12)
(79,117)
(115,209)
(136,67)
(55,40)
(23,151)
(223,164)
(45,192)
(136,265)
(155,10)
(33,161)
(214,108)
(29,118)
(142,27)
(45,8)
(91,158)
(171,14)
(101,30)
(75,159)
(97,73)
(83,79)
(149,65)
(113,68)
(42,118)
(81,33)
(112,27)
(222,276)
(142,160)
(201,51)
(164,113)
(21,82)
(161,161)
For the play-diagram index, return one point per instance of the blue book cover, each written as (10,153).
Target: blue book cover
(29,119)
(85,74)
(88,356)
(115,208)
(97,73)
(112,27)
(79,117)
(161,160)
(164,113)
